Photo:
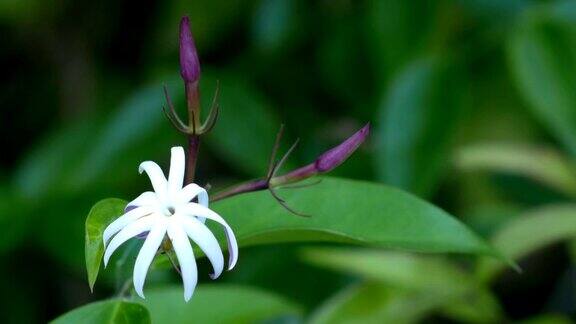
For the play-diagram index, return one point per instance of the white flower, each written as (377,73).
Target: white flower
(170,210)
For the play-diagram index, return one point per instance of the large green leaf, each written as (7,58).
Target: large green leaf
(110,311)
(541,164)
(102,214)
(345,211)
(349,211)
(216,304)
(542,55)
(416,124)
(530,232)
(456,292)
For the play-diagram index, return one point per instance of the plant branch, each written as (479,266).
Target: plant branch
(326,162)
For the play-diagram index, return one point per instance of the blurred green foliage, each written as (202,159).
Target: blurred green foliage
(473,105)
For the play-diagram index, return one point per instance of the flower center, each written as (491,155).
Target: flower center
(169,211)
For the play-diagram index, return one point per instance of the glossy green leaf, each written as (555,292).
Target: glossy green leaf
(541,164)
(216,304)
(106,312)
(542,57)
(349,211)
(530,232)
(457,293)
(100,216)
(345,211)
(416,124)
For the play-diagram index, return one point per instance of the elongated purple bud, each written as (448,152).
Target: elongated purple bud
(189,64)
(335,156)
(327,161)
(324,163)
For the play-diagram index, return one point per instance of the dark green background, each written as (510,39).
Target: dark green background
(81,100)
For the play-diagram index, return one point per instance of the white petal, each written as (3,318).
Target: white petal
(177,165)
(147,198)
(190,191)
(123,221)
(194,209)
(139,226)
(147,253)
(185,258)
(204,238)
(156,176)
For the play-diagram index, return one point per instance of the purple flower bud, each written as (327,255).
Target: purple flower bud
(335,156)
(189,64)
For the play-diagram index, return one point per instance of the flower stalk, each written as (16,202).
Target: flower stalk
(326,162)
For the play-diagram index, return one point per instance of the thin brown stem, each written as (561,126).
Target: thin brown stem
(255,185)
(193,104)
(193,148)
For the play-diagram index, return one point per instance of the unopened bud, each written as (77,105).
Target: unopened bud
(335,156)
(189,64)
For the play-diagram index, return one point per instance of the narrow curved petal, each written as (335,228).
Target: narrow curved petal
(204,238)
(156,176)
(145,199)
(147,253)
(192,190)
(185,257)
(177,165)
(194,209)
(139,226)
(123,221)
